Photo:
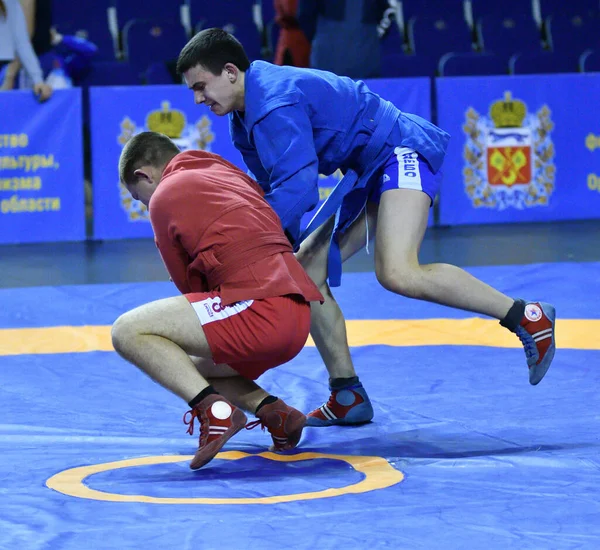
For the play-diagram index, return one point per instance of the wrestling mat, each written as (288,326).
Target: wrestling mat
(462,452)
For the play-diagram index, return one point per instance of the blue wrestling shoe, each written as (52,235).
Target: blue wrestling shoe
(346,407)
(536,332)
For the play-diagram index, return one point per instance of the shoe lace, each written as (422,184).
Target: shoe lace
(528,342)
(254,423)
(277,437)
(332,402)
(190,422)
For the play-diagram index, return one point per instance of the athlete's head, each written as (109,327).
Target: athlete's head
(143,161)
(213,64)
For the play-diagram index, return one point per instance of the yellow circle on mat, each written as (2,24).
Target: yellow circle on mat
(379,474)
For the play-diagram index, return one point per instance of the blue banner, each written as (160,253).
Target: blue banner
(41,168)
(408,94)
(523,148)
(118,113)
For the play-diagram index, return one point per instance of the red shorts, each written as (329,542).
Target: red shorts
(253,336)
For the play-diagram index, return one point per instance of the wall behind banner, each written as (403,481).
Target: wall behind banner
(523,148)
(41,168)
(117,113)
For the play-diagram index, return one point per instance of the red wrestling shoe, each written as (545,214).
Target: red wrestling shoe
(219,421)
(347,406)
(536,332)
(285,424)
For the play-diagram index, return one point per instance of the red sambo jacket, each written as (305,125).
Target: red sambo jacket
(215,231)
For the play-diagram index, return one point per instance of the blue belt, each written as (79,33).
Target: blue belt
(385,119)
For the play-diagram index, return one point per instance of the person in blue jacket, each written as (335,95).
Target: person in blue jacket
(65,65)
(290,125)
(344,35)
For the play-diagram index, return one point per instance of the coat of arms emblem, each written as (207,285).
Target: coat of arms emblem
(172,123)
(509,156)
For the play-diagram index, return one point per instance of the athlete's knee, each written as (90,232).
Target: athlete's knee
(327,294)
(400,278)
(314,265)
(123,333)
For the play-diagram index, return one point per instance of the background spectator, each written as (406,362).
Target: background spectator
(38,19)
(344,35)
(66,64)
(293,48)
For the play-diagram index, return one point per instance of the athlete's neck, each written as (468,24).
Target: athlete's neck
(240,100)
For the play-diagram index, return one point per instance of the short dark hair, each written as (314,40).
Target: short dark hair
(145,149)
(213,49)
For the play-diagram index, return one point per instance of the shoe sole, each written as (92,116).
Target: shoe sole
(314,422)
(356,416)
(537,372)
(217,445)
(359,414)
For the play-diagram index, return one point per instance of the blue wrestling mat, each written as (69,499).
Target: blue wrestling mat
(462,454)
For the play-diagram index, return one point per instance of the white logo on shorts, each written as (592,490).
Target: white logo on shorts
(211,310)
(409,175)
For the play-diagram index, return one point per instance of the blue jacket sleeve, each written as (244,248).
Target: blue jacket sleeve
(76,54)
(249,154)
(255,168)
(77,45)
(285,146)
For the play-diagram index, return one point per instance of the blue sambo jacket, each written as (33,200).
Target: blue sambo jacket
(299,123)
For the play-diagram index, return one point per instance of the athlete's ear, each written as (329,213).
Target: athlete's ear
(143,174)
(231,71)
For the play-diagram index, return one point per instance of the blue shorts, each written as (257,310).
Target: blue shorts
(406,169)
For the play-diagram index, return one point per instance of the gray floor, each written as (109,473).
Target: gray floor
(95,262)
